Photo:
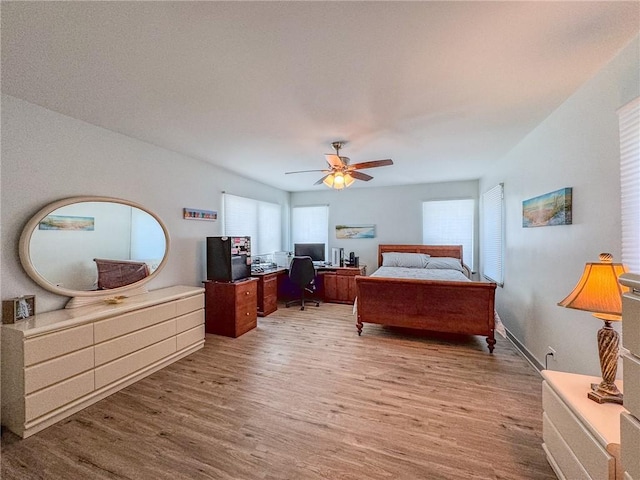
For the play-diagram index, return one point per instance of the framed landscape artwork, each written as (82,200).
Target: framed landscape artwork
(355,231)
(553,208)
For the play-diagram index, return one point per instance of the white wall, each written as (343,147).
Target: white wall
(47,156)
(395,211)
(576,146)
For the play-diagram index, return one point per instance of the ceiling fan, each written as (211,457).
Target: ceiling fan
(341,173)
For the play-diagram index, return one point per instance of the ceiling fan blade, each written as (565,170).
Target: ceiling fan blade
(371,164)
(305,171)
(361,176)
(333,160)
(321,180)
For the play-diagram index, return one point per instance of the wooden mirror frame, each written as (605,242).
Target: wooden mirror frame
(84,297)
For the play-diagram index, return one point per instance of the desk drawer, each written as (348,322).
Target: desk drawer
(595,459)
(53,371)
(51,345)
(189,304)
(631,379)
(246,290)
(562,456)
(126,344)
(630,445)
(189,321)
(130,322)
(48,399)
(133,362)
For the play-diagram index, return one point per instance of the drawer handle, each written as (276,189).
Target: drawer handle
(247,314)
(246,293)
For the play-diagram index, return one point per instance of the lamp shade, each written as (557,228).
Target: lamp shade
(338,180)
(598,290)
(328,180)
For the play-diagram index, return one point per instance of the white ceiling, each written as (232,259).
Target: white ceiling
(261,88)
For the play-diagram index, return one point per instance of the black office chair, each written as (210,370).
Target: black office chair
(301,273)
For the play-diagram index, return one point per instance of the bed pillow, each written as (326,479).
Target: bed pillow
(448,263)
(408,260)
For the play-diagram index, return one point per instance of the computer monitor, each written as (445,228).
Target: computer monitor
(313,250)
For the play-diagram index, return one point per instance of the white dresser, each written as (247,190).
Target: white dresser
(57,363)
(581,437)
(630,422)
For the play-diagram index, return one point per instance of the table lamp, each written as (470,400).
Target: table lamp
(599,291)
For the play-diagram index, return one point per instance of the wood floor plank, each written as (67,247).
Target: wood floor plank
(304,397)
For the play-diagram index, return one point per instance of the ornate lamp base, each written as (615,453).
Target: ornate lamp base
(604,395)
(608,341)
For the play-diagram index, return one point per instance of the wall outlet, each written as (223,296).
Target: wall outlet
(551,353)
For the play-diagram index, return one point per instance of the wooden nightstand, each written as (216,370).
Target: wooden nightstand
(581,437)
(231,308)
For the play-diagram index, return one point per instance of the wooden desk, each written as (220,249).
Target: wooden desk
(333,285)
(340,284)
(268,290)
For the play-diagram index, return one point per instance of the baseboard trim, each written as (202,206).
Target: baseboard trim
(524,351)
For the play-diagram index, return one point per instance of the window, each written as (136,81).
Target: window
(493,234)
(629,117)
(262,221)
(449,222)
(310,224)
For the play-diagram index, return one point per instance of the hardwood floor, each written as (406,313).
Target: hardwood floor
(303,397)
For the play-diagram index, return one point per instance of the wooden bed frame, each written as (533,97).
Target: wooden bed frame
(441,306)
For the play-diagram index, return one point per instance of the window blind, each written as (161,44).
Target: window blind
(493,234)
(262,221)
(449,222)
(310,224)
(629,119)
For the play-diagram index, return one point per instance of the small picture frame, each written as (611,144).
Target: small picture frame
(18,308)
(197,214)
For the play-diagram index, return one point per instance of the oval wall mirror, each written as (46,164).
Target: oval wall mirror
(90,248)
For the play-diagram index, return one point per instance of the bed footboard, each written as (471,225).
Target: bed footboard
(450,307)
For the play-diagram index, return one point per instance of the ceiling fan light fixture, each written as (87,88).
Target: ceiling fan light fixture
(338,181)
(348,180)
(328,181)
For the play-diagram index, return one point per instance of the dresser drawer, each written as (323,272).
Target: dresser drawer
(595,459)
(190,337)
(631,380)
(130,322)
(631,323)
(48,399)
(58,369)
(630,444)
(133,362)
(126,344)
(563,457)
(187,322)
(45,347)
(190,304)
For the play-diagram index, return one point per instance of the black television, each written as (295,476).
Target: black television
(313,250)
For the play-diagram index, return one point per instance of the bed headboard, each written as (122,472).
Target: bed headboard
(454,251)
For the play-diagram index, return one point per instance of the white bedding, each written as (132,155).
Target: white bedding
(420,274)
(430,274)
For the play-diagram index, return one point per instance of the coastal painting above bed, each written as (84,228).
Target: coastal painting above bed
(427,287)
